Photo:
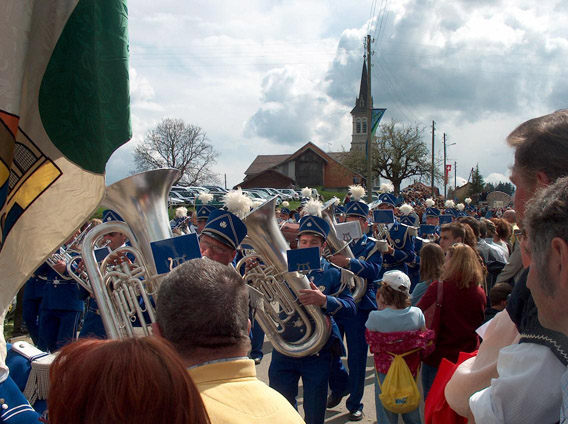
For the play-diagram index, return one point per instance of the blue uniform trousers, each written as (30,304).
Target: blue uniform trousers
(257,340)
(58,327)
(30,314)
(285,372)
(341,382)
(414,275)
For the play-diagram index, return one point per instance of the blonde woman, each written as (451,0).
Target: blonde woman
(462,311)
(431,265)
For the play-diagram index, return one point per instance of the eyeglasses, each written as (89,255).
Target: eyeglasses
(205,245)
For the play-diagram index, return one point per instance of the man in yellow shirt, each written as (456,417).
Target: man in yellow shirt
(202,310)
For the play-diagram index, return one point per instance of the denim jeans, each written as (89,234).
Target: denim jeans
(428,376)
(387,417)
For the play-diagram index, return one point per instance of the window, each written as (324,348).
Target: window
(358,126)
(364,126)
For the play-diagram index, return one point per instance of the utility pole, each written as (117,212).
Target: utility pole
(445,169)
(455,176)
(225,181)
(433,130)
(370,182)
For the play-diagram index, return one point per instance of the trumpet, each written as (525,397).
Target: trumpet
(65,253)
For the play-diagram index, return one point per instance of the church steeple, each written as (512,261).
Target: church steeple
(361,102)
(359,114)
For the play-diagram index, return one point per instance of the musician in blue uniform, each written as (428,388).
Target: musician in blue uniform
(450,209)
(93,323)
(203,211)
(400,239)
(366,264)
(325,291)
(33,295)
(410,219)
(432,216)
(61,308)
(14,407)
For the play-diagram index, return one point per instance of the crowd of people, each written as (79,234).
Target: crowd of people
(470,302)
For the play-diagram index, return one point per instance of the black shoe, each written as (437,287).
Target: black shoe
(356,416)
(333,400)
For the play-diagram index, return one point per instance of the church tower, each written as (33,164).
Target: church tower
(359,115)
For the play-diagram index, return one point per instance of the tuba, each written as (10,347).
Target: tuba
(125,288)
(280,308)
(339,246)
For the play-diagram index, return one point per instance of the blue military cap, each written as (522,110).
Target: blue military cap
(204,211)
(451,212)
(388,198)
(355,208)
(110,215)
(434,212)
(285,210)
(314,224)
(339,210)
(226,227)
(407,220)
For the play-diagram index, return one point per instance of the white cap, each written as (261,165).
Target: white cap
(397,280)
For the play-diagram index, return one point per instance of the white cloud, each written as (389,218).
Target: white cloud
(263,77)
(496,178)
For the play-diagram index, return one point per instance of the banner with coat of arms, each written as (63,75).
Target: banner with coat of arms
(64,108)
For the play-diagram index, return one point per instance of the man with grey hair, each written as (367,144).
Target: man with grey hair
(546,250)
(202,310)
(516,375)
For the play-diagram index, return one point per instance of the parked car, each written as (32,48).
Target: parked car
(216,188)
(289,194)
(185,197)
(174,202)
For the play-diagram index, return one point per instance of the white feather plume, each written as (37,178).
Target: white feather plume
(335,201)
(285,204)
(306,192)
(181,212)
(405,209)
(205,197)
(237,203)
(256,203)
(450,204)
(386,188)
(313,207)
(467,200)
(460,206)
(357,192)
(429,203)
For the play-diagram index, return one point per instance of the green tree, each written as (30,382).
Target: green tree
(506,187)
(399,152)
(477,183)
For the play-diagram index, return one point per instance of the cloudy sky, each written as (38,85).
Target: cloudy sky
(267,76)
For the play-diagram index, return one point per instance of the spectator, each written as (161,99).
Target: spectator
(431,265)
(396,328)
(502,235)
(202,309)
(135,380)
(498,296)
(462,312)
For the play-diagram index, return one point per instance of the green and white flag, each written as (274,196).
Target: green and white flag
(64,108)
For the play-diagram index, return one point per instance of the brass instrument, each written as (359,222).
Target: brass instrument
(123,288)
(64,252)
(280,308)
(336,246)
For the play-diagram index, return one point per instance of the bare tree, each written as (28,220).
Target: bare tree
(175,144)
(399,152)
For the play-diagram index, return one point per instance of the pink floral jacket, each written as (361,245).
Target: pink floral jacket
(399,342)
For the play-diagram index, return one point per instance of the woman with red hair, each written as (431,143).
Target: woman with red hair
(135,380)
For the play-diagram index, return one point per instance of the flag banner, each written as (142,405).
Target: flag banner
(376,119)
(64,108)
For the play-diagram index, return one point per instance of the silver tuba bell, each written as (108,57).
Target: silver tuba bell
(339,246)
(280,309)
(124,289)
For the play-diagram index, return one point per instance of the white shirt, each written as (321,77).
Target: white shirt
(526,391)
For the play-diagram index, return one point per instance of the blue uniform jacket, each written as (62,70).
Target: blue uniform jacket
(17,409)
(20,368)
(403,244)
(58,293)
(34,286)
(366,264)
(328,280)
